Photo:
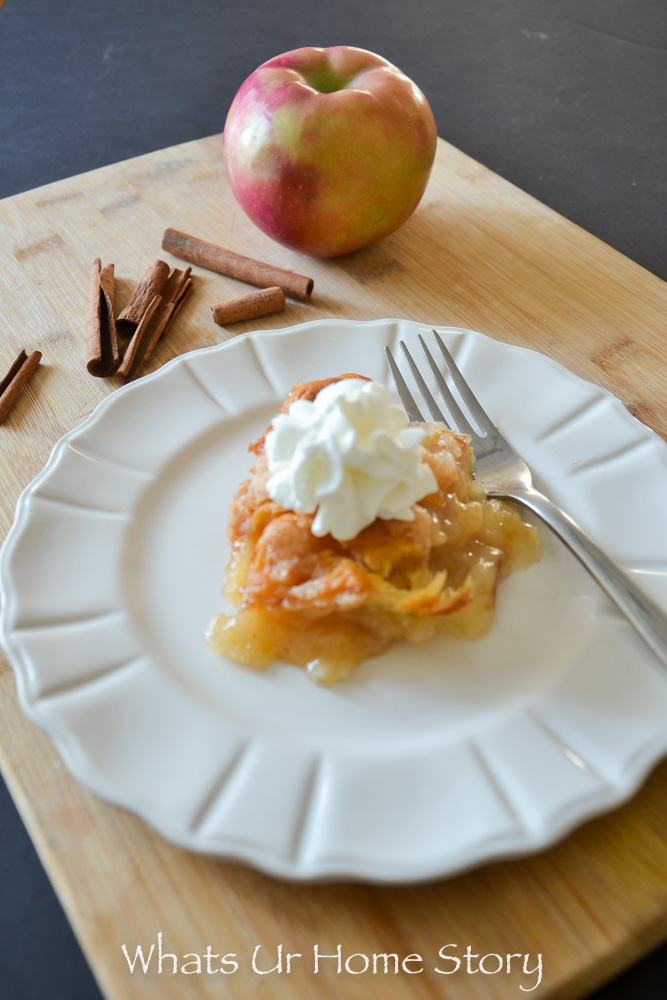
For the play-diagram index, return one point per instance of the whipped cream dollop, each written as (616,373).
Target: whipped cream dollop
(350,455)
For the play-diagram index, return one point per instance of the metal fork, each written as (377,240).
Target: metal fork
(503,473)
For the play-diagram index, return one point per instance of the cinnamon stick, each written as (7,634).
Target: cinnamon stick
(169,314)
(101,342)
(16,378)
(177,285)
(134,353)
(151,284)
(235,265)
(156,318)
(261,303)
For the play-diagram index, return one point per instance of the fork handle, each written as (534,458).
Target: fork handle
(647,618)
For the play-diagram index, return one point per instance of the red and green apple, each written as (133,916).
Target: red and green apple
(329,149)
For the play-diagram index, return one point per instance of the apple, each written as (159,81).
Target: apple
(328,150)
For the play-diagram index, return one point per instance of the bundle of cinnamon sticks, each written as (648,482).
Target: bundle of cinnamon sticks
(152,307)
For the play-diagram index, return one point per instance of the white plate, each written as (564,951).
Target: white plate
(433,758)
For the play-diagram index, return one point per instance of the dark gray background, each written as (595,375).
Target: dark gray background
(565,98)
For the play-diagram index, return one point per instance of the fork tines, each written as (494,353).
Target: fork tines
(457,415)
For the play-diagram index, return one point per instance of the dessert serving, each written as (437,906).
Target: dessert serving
(357,529)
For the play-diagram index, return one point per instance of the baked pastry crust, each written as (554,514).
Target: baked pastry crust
(327,605)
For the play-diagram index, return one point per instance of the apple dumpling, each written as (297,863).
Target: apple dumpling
(356,530)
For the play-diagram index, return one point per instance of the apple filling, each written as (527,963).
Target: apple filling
(326,605)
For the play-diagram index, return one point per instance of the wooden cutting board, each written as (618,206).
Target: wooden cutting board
(478,253)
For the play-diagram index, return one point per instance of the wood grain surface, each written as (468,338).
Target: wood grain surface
(478,253)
